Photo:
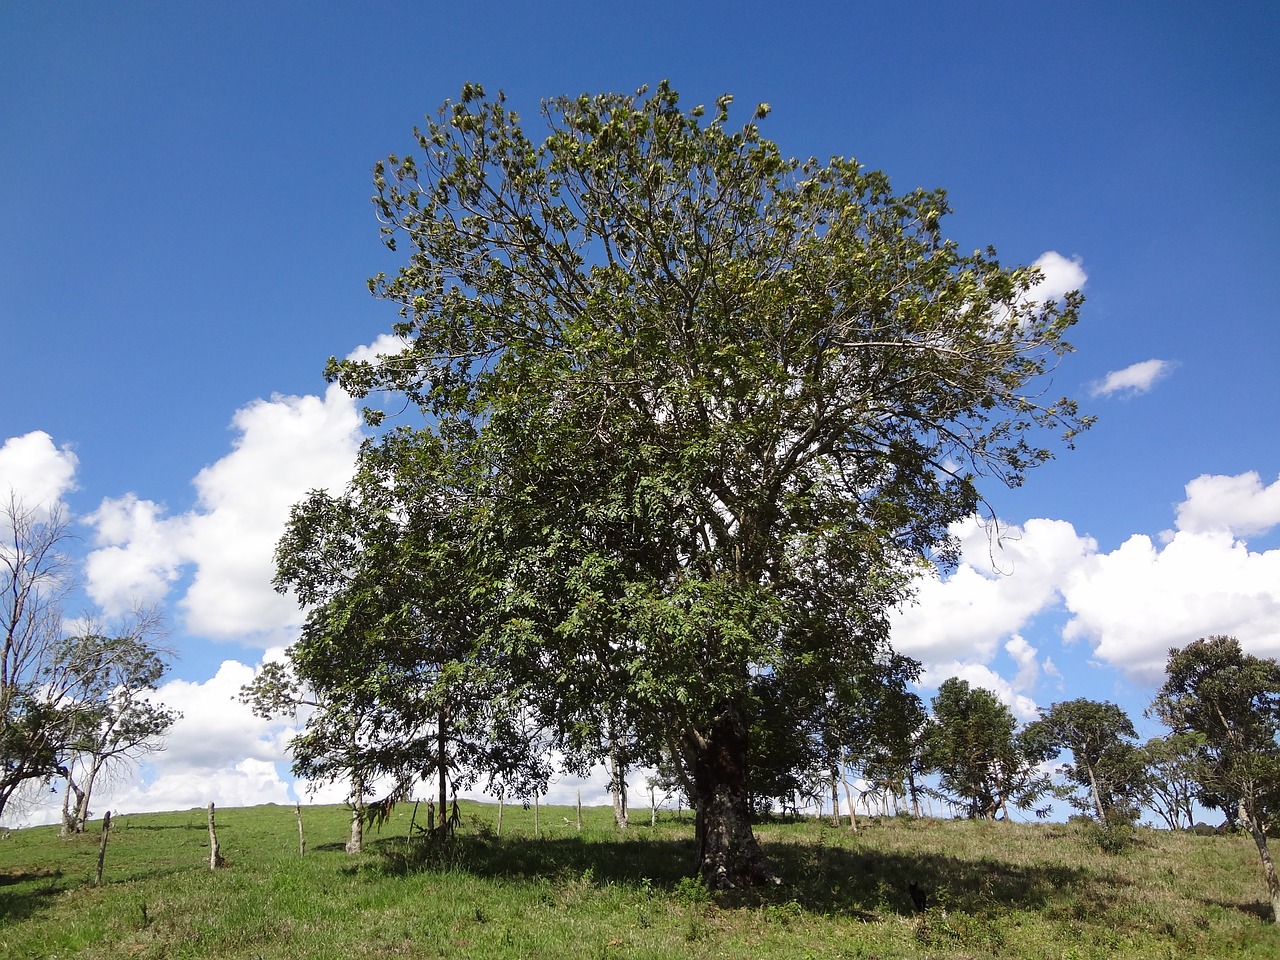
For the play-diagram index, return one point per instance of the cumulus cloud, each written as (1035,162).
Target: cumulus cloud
(1130,605)
(1136,602)
(38,472)
(386,345)
(283,448)
(1007,575)
(1060,275)
(1133,379)
(1239,504)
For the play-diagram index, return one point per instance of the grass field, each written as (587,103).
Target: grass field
(991,890)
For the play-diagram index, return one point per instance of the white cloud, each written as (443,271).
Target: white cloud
(978,675)
(1133,379)
(39,473)
(1002,582)
(284,447)
(1130,605)
(1060,275)
(1240,504)
(1136,602)
(386,345)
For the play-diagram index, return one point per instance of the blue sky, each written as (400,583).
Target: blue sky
(185,234)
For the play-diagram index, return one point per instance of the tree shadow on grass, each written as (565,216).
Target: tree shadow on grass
(820,879)
(16,904)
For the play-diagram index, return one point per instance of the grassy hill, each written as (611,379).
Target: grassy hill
(989,890)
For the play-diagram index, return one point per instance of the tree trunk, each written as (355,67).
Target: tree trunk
(355,843)
(1097,797)
(618,786)
(728,855)
(442,770)
(1269,868)
(83,795)
(835,794)
(216,859)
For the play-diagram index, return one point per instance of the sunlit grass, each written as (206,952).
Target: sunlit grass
(897,888)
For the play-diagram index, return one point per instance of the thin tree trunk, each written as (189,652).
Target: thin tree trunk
(852,805)
(355,842)
(442,769)
(579,810)
(500,796)
(618,785)
(537,831)
(302,837)
(1097,797)
(835,795)
(728,854)
(1268,868)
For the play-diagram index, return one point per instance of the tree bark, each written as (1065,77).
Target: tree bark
(729,857)
(1268,867)
(355,843)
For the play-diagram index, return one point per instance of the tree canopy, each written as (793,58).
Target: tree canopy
(726,405)
(1231,699)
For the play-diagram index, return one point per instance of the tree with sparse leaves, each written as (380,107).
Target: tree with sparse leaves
(1232,700)
(1169,787)
(117,719)
(719,392)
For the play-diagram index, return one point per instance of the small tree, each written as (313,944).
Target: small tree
(983,761)
(396,649)
(1232,699)
(1169,787)
(116,720)
(1105,762)
(34,676)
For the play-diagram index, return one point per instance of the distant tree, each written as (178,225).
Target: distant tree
(116,719)
(1231,699)
(34,578)
(70,704)
(1105,762)
(396,648)
(1169,788)
(984,762)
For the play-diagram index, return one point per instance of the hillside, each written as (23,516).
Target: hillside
(987,889)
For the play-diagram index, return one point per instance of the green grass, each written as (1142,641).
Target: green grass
(993,889)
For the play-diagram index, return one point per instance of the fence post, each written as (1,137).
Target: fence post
(215,852)
(102,848)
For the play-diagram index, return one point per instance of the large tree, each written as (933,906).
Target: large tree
(1232,700)
(720,393)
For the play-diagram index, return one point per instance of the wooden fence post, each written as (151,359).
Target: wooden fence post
(215,852)
(302,837)
(102,848)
